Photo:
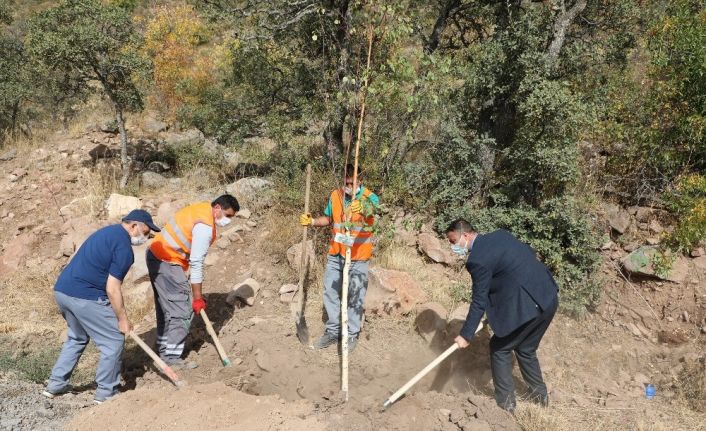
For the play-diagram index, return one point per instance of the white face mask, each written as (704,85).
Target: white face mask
(459,249)
(223,221)
(348,190)
(138,240)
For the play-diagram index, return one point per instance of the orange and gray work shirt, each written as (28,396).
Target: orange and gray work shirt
(185,239)
(358,229)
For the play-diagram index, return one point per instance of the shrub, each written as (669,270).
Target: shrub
(687,200)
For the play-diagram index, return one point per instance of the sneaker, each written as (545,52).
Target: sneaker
(352,342)
(325,341)
(101,400)
(51,394)
(181,364)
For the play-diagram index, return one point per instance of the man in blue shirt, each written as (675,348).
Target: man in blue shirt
(88,293)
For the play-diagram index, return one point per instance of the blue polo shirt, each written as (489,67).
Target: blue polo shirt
(107,251)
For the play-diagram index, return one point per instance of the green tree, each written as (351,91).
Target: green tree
(93,43)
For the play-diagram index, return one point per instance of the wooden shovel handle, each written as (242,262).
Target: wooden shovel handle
(166,369)
(219,348)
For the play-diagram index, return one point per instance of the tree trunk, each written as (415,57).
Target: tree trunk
(336,127)
(15,114)
(435,37)
(124,160)
(565,18)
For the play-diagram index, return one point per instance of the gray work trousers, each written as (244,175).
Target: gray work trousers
(89,319)
(357,286)
(172,303)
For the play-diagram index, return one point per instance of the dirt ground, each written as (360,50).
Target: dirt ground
(596,366)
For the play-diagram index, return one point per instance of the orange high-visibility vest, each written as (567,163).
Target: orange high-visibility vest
(362,239)
(173,244)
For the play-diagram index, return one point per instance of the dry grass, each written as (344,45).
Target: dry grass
(28,303)
(531,417)
(692,384)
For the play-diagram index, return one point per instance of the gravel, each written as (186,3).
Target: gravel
(23,407)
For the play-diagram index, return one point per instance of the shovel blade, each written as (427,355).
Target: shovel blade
(302,331)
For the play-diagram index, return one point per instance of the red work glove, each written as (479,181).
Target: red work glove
(198,305)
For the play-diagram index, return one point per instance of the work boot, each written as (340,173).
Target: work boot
(326,340)
(181,364)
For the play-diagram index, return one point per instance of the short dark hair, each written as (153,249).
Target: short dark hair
(227,202)
(461,226)
(350,168)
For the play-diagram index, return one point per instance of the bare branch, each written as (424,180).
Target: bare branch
(565,18)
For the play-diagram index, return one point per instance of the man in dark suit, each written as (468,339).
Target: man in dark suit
(519,295)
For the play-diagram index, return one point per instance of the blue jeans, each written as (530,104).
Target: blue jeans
(357,286)
(88,320)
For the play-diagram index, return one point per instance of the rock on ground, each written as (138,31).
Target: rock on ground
(294,255)
(641,262)
(432,247)
(153,179)
(117,205)
(253,191)
(618,218)
(245,291)
(391,292)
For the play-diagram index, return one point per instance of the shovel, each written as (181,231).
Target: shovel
(401,391)
(214,337)
(163,367)
(299,318)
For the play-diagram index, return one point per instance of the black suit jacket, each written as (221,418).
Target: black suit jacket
(510,284)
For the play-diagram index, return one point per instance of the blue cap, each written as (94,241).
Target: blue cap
(142,216)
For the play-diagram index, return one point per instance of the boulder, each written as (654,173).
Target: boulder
(431,320)
(640,262)
(138,271)
(16,251)
(158,167)
(294,255)
(166,210)
(700,262)
(618,218)
(190,137)
(252,191)
(153,180)
(392,292)
(245,291)
(101,151)
(117,206)
(433,248)
(152,125)
(109,127)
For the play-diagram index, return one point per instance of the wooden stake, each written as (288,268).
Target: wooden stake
(347,265)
